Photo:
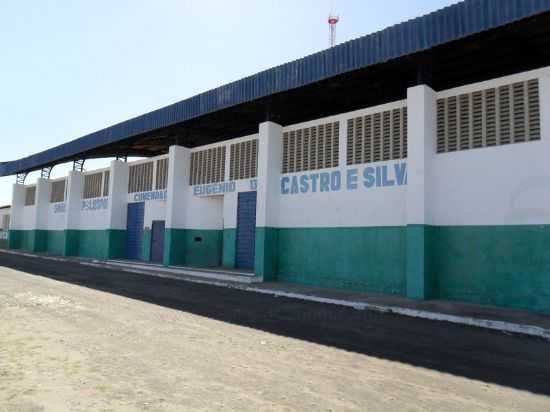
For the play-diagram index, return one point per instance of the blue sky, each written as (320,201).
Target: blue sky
(72,67)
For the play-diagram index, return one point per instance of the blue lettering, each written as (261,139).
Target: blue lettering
(401,173)
(324,185)
(351,180)
(294,185)
(378,177)
(304,185)
(385,180)
(368,174)
(314,178)
(335,181)
(284,185)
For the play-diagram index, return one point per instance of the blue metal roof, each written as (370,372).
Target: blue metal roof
(451,23)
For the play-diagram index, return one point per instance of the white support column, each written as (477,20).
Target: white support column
(343,145)
(75,187)
(177,191)
(118,195)
(544,93)
(229,217)
(117,210)
(269,170)
(41,203)
(16,215)
(421,107)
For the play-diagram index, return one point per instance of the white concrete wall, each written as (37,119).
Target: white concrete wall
(26,220)
(4,212)
(55,218)
(351,205)
(502,185)
(204,212)
(348,202)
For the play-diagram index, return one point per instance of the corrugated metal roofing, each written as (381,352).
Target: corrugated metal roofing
(451,23)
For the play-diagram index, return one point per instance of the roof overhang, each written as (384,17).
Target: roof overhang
(471,41)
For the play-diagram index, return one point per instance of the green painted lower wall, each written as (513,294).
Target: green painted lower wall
(55,242)
(102,244)
(4,243)
(358,259)
(203,248)
(267,253)
(146,252)
(93,244)
(174,247)
(190,247)
(229,248)
(419,276)
(117,243)
(97,244)
(72,240)
(22,239)
(498,265)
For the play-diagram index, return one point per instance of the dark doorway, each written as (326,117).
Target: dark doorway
(134,231)
(246,230)
(157,241)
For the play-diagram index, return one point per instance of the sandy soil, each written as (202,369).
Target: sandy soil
(68,348)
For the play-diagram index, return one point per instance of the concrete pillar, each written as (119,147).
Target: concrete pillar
(421,107)
(178,189)
(41,204)
(75,188)
(229,218)
(117,209)
(270,149)
(544,93)
(16,215)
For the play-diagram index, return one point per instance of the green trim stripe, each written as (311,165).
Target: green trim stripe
(190,247)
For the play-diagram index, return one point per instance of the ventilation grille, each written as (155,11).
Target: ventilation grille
(106,178)
(162,174)
(30,196)
(376,137)
(492,117)
(244,160)
(92,185)
(207,166)
(141,178)
(58,192)
(311,148)
(6,222)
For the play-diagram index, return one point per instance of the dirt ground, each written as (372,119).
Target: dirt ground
(65,347)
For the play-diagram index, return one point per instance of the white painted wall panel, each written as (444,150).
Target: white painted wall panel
(26,220)
(55,219)
(204,212)
(360,207)
(505,185)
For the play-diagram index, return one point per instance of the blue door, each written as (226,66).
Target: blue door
(134,231)
(157,241)
(246,230)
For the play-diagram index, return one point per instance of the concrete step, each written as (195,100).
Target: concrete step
(204,273)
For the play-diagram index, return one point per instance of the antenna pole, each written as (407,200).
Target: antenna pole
(332,22)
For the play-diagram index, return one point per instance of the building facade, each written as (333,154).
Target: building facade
(4,226)
(442,195)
